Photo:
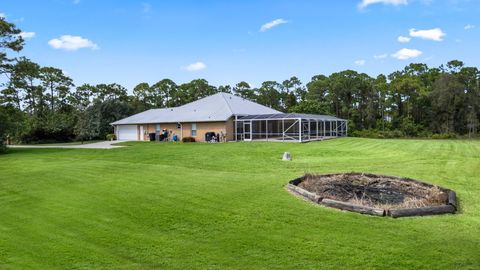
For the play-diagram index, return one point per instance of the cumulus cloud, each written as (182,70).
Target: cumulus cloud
(196,66)
(380,56)
(270,25)
(360,62)
(72,43)
(469,26)
(2,15)
(403,39)
(366,3)
(404,54)
(435,34)
(26,35)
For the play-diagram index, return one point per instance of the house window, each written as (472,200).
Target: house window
(194,129)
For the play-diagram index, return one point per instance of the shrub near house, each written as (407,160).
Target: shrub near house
(188,139)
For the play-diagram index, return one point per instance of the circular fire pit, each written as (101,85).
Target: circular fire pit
(375,194)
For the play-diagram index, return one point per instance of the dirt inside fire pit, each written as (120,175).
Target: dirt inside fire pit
(374,190)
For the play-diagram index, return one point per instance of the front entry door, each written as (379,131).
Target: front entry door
(247,131)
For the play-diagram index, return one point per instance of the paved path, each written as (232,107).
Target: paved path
(98,145)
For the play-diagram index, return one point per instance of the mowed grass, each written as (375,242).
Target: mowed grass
(64,144)
(224,206)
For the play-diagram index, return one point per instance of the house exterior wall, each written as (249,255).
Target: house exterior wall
(186,129)
(230,129)
(151,128)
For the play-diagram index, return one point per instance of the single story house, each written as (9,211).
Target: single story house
(238,118)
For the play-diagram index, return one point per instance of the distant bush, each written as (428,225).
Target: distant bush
(444,136)
(366,133)
(409,128)
(425,134)
(111,137)
(43,135)
(377,134)
(390,134)
(188,139)
(3,147)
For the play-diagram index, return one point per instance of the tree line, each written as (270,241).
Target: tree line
(42,104)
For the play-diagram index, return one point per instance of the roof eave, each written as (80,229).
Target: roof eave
(171,122)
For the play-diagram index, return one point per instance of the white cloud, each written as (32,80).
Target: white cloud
(3,16)
(196,66)
(380,56)
(403,39)
(26,35)
(72,43)
(428,58)
(360,62)
(366,3)
(405,53)
(272,24)
(469,26)
(435,34)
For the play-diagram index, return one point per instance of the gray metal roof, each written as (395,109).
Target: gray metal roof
(291,116)
(217,107)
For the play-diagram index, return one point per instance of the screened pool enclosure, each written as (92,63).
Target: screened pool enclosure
(293,127)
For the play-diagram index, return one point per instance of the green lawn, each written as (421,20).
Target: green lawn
(224,206)
(65,143)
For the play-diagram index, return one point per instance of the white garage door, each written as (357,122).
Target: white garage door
(127,132)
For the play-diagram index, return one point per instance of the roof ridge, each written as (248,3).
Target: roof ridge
(226,101)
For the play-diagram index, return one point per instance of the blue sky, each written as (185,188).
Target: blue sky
(225,42)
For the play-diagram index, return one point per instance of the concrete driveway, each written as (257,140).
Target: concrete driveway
(97,145)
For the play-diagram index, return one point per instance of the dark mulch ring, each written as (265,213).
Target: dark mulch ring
(375,194)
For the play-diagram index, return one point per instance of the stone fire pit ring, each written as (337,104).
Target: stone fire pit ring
(374,194)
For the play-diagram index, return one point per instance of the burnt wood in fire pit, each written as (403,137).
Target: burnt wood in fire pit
(375,194)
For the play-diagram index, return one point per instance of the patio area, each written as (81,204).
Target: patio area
(289,127)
